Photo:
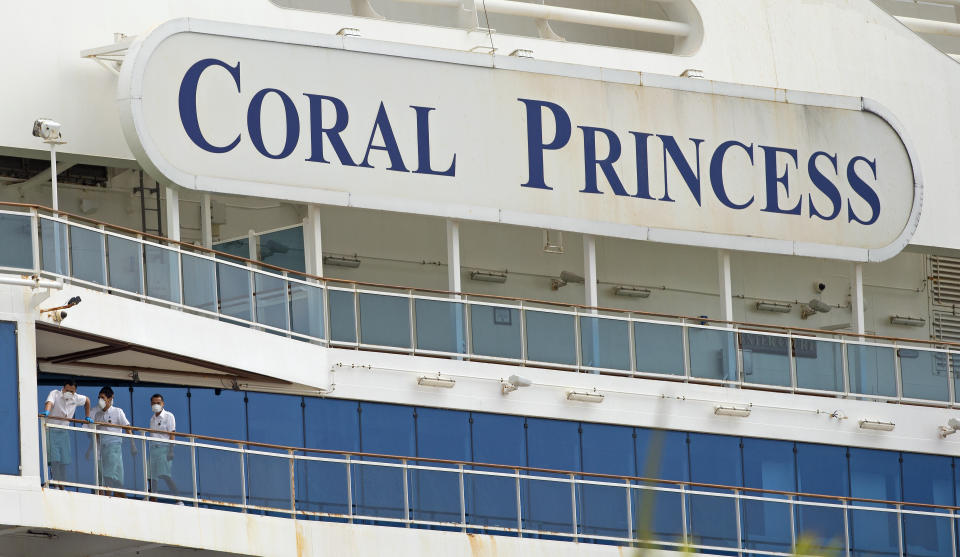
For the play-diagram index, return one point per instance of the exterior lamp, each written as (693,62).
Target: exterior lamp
(49,132)
(436,381)
(877,425)
(731,410)
(585,396)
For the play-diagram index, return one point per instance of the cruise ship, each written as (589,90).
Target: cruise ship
(480,278)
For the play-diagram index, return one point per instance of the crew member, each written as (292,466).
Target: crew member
(109,446)
(62,404)
(164,424)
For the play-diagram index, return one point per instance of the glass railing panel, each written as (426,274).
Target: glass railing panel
(53,247)
(16,250)
(343,324)
(306,309)
(713,353)
(822,527)
(659,348)
(86,255)
(162,273)
(767,525)
(927,536)
(220,475)
(603,510)
(124,264)
(605,343)
(658,515)
(435,494)
(872,370)
(120,461)
(322,486)
(271,299)
(548,505)
(551,337)
(955,370)
(495,331)
(70,454)
(874,533)
(490,500)
(268,481)
(925,374)
(766,359)
(713,520)
(384,320)
(819,364)
(233,288)
(441,326)
(169,471)
(199,282)
(378,490)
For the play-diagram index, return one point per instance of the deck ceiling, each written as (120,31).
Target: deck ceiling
(64,349)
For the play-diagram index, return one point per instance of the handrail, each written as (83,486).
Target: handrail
(759,327)
(598,475)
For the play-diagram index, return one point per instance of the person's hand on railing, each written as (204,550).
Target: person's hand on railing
(45,413)
(89,420)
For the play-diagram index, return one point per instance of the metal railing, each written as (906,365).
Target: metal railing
(369,316)
(497,499)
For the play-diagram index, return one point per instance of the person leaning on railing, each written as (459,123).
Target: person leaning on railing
(62,404)
(110,465)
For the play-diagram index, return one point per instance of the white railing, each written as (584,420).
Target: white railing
(362,316)
(471,496)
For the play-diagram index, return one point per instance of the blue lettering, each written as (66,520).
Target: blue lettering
(825,186)
(692,180)
(591,162)
(716,173)
(423,145)
(773,180)
(254,123)
(535,144)
(863,190)
(643,166)
(382,123)
(188,103)
(317,131)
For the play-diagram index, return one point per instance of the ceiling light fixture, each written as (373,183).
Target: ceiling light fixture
(774,307)
(351,262)
(585,396)
(907,321)
(436,381)
(631,291)
(732,410)
(489,276)
(877,425)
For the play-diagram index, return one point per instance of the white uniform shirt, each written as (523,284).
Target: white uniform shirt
(62,408)
(112,415)
(164,422)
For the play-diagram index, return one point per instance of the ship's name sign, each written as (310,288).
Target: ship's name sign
(277,114)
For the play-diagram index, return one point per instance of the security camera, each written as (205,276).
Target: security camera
(566,277)
(819,287)
(513,383)
(58,316)
(952,426)
(46,129)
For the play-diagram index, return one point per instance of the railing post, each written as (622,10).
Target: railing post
(412,310)
(463,500)
(737,507)
(573,505)
(900,527)
(243,477)
(516,472)
(898,373)
(523,334)
(953,532)
(683,514)
(146,470)
(846,529)
(35,236)
(793,524)
(406,495)
(43,451)
(845,365)
(293,485)
(629,512)
(793,362)
(578,339)
(349,491)
(466,315)
(96,457)
(685,337)
(193,471)
(325,296)
(356,316)
(632,340)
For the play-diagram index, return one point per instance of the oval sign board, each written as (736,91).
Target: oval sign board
(347,121)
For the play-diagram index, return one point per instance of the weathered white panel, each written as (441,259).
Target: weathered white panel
(432,132)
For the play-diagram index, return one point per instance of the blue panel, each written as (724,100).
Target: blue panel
(874,475)
(822,469)
(283,248)
(768,465)
(329,424)
(17,248)
(496,439)
(277,420)
(9,400)
(661,454)
(444,434)
(218,415)
(384,429)
(714,459)
(605,449)
(550,444)
(927,479)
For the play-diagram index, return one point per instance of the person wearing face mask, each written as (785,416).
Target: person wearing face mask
(110,467)
(60,404)
(163,424)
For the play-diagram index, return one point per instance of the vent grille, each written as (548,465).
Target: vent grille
(945,281)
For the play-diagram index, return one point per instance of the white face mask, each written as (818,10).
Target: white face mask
(102,403)
(156,408)
(69,395)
